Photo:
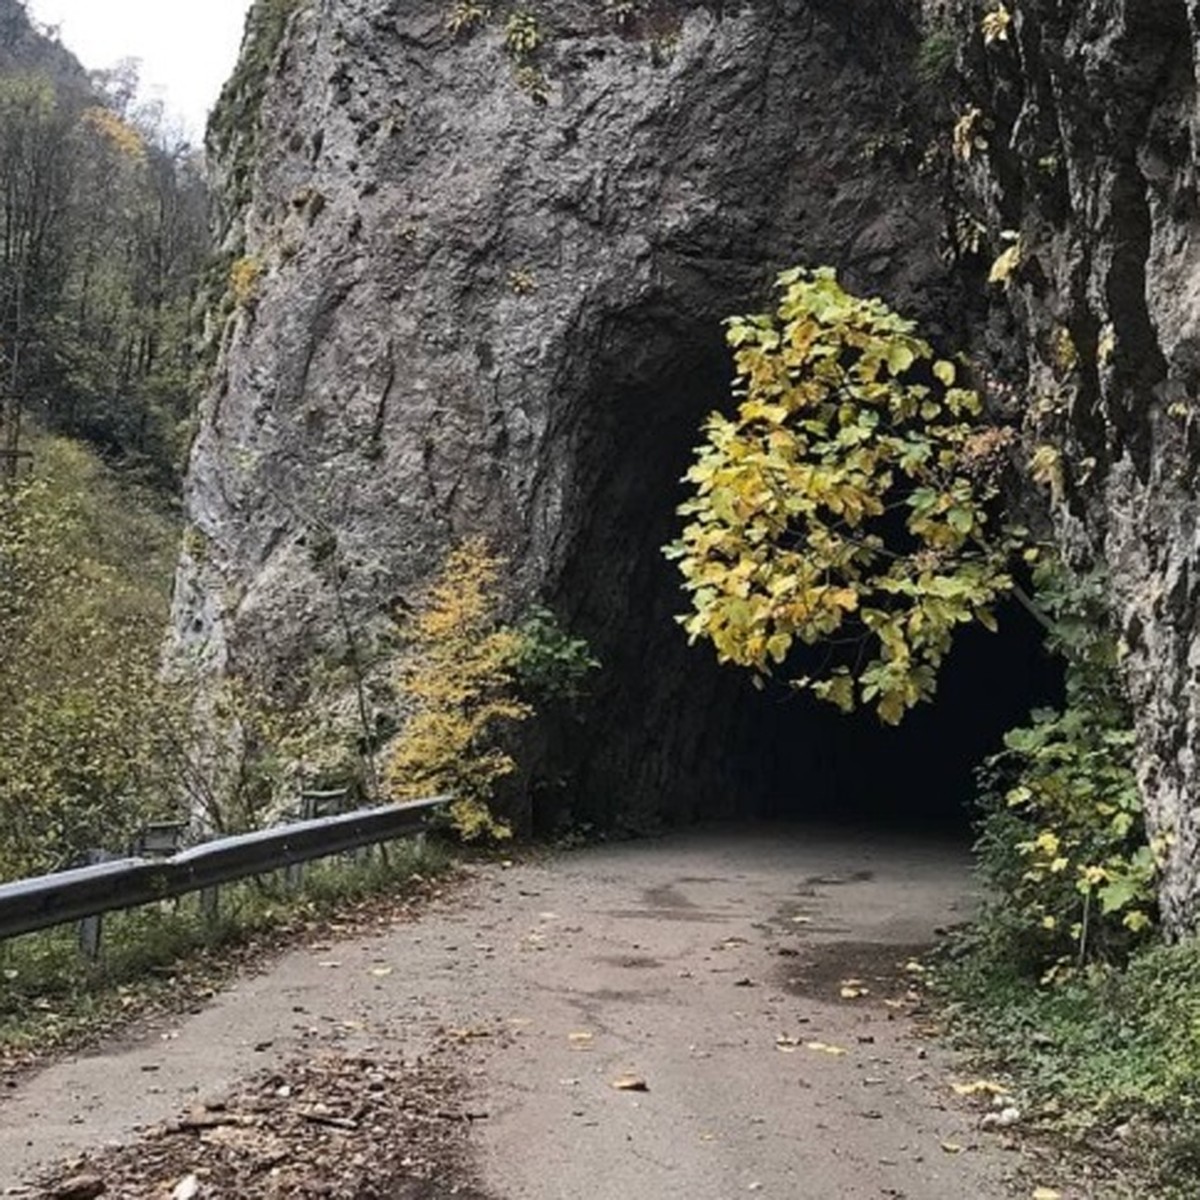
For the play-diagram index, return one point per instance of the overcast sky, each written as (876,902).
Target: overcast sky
(187,47)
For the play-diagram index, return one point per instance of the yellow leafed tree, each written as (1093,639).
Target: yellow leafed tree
(457,680)
(846,502)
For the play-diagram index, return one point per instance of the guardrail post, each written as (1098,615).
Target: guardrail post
(210,904)
(313,806)
(91,933)
(160,839)
(91,929)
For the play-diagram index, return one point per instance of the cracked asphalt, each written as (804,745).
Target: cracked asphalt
(701,1016)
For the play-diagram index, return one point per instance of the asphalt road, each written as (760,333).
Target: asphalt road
(735,984)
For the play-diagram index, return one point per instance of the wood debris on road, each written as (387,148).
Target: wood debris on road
(344,1126)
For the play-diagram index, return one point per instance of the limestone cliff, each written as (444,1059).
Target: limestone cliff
(477,295)
(1086,116)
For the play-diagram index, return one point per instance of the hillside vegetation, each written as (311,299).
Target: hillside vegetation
(102,238)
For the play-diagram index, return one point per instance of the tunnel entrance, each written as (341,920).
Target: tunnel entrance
(668,735)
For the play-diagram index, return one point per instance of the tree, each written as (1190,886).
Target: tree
(846,503)
(102,240)
(35,186)
(458,681)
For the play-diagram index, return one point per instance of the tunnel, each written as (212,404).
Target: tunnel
(668,736)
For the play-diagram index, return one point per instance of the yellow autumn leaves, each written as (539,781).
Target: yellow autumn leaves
(837,505)
(457,681)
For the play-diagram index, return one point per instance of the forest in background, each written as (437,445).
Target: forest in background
(103,237)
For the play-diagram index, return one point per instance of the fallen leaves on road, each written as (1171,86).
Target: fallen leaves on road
(48,1030)
(787,1044)
(978,1087)
(854,989)
(1045,1193)
(826,1048)
(79,1187)
(341,1126)
(630,1083)
(472,1034)
(1005,1118)
(188,1188)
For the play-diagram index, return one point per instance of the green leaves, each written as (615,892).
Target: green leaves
(1065,843)
(836,503)
(549,663)
(82,604)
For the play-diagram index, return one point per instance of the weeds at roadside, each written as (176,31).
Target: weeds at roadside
(1109,1062)
(169,958)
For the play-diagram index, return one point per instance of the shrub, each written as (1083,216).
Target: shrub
(936,57)
(550,664)
(522,35)
(84,566)
(1064,844)
(458,680)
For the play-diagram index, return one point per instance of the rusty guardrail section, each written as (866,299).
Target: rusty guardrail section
(49,900)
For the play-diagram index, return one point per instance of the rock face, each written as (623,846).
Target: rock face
(472,306)
(24,48)
(1090,115)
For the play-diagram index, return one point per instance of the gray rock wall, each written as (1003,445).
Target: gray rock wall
(482,313)
(1090,112)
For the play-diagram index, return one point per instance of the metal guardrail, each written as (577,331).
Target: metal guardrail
(32,904)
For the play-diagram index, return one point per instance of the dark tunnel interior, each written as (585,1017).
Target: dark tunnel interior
(920,774)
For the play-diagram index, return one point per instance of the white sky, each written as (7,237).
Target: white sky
(187,48)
